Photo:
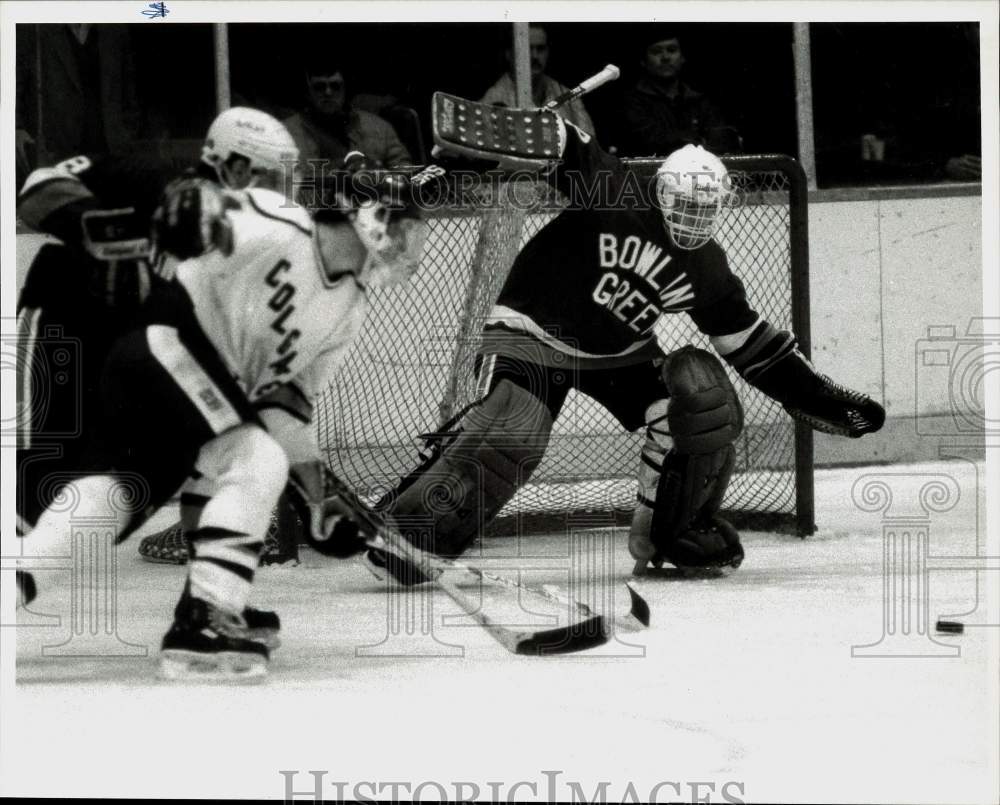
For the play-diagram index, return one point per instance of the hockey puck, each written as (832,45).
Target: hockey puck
(953,627)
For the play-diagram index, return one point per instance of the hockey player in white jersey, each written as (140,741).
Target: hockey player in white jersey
(92,286)
(218,385)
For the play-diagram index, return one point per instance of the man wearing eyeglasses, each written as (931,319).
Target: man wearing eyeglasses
(329,128)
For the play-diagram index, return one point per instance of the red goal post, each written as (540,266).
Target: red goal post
(411,369)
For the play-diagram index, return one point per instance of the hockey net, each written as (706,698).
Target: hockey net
(412,367)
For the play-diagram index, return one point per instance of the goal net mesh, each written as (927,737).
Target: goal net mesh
(412,366)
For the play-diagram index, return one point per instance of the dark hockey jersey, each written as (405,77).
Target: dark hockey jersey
(592,283)
(53,198)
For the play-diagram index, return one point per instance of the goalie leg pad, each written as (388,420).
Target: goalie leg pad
(686,529)
(499,445)
(705,417)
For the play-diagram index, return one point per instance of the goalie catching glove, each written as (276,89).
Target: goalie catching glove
(816,400)
(331,527)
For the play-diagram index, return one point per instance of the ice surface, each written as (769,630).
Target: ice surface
(746,680)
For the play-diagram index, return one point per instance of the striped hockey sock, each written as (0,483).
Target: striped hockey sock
(654,450)
(222,566)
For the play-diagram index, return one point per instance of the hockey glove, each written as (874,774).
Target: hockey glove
(330,527)
(831,408)
(118,249)
(816,400)
(191,219)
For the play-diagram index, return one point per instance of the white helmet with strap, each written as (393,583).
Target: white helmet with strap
(253,135)
(692,187)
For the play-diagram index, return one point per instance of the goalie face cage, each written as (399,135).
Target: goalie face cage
(411,368)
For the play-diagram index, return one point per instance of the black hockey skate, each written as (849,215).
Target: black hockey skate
(264,626)
(207,644)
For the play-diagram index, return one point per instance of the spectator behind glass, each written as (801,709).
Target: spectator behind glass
(662,113)
(914,122)
(76,92)
(329,128)
(543,87)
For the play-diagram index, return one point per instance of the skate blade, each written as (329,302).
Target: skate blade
(226,666)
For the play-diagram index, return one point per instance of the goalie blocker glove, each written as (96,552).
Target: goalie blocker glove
(816,400)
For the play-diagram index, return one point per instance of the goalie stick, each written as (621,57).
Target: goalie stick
(519,136)
(609,73)
(583,629)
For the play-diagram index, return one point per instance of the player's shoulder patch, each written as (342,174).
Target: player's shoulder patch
(276,207)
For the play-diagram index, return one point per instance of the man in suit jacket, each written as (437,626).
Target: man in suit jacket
(76,92)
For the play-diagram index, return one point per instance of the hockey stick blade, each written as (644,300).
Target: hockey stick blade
(583,628)
(640,608)
(573,637)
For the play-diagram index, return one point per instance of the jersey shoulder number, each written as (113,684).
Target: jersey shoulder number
(74,165)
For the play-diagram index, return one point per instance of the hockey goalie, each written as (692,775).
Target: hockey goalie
(578,311)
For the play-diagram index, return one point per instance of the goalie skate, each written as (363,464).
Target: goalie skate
(205,644)
(169,547)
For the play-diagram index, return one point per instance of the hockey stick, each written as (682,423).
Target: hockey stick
(585,628)
(587,631)
(609,73)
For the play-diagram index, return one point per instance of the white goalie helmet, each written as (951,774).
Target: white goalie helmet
(255,136)
(692,187)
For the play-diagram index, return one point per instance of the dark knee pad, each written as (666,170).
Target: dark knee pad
(705,418)
(443,504)
(705,413)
